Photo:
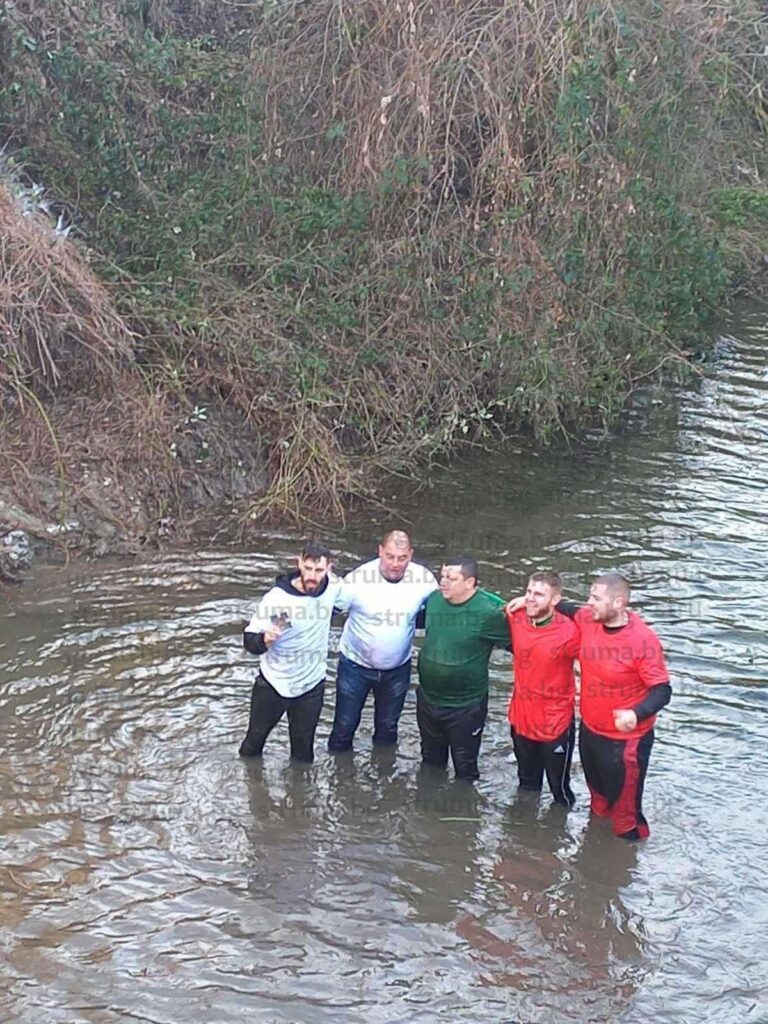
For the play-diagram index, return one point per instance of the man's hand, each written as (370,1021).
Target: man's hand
(272,633)
(624,720)
(514,605)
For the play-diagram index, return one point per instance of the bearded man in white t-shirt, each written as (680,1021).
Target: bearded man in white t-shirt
(382,599)
(289,630)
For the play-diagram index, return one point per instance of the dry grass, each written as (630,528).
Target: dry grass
(506,267)
(74,410)
(58,323)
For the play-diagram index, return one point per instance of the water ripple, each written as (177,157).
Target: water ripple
(147,874)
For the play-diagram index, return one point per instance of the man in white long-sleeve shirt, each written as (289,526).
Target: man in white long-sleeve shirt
(290,630)
(382,599)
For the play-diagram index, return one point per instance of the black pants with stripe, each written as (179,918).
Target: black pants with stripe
(553,757)
(268,707)
(458,730)
(615,772)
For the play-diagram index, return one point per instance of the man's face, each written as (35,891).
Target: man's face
(312,572)
(605,606)
(393,560)
(454,587)
(540,600)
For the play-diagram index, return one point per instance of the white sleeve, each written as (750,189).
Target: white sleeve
(345,597)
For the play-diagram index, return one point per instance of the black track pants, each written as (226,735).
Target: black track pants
(458,730)
(537,757)
(615,772)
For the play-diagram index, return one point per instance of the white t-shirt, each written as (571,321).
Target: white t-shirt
(381,619)
(298,659)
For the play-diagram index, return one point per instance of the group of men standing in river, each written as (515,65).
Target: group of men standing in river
(624,680)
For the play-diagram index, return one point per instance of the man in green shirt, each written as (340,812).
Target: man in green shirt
(463,624)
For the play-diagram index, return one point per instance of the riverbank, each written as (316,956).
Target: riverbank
(150,875)
(267,257)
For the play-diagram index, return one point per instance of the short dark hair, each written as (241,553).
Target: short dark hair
(315,550)
(552,579)
(616,584)
(466,565)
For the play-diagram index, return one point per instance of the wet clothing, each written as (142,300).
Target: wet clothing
(619,665)
(375,648)
(535,758)
(298,659)
(657,698)
(615,772)
(542,702)
(622,667)
(459,638)
(381,615)
(541,708)
(452,701)
(268,707)
(291,669)
(353,684)
(458,730)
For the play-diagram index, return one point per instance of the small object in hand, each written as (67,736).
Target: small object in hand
(281,621)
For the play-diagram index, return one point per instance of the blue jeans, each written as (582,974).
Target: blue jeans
(353,684)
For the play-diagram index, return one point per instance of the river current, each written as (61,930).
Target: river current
(147,874)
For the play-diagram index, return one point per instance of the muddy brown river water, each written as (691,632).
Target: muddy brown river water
(147,874)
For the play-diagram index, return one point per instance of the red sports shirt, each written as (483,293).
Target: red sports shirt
(617,670)
(542,701)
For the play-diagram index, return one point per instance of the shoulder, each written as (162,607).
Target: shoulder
(365,572)
(332,589)
(564,623)
(493,602)
(274,593)
(643,631)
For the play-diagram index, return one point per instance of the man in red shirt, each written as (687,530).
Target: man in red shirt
(541,709)
(624,683)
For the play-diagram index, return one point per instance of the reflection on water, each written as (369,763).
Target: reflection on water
(147,874)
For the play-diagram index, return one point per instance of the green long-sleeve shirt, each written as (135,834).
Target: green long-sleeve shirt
(459,638)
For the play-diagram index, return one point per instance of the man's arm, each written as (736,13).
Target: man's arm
(345,597)
(497,628)
(421,616)
(254,642)
(626,719)
(657,698)
(652,669)
(262,631)
(569,608)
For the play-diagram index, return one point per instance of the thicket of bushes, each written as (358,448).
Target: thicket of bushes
(370,228)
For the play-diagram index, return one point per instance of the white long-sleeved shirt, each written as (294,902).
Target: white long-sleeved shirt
(381,619)
(297,660)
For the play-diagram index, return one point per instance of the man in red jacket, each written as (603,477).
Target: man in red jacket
(541,709)
(624,683)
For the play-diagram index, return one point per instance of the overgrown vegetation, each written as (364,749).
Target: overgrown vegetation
(373,228)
